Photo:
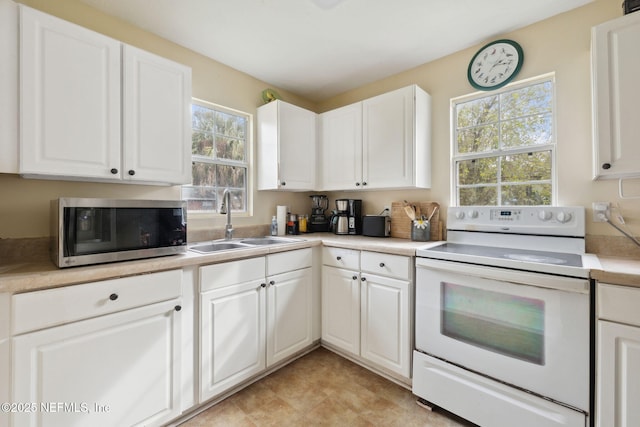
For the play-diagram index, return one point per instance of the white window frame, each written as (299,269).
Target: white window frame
(248,163)
(552,147)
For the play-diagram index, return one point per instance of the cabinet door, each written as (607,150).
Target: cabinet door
(341,308)
(385,319)
(8,87)
(388,135)
(70,99)
(232,334)
(616,95)
(289,314)
(618,389)
(120,369)
(341,147)
(157,118)
(286,147)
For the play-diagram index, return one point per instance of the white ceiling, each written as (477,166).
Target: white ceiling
(320,48)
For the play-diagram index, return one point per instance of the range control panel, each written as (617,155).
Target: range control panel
(540,220)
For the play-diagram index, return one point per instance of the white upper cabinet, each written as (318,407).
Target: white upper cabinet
(70,99)
(381,142)
(616,97)
(341,137)
(80,120)
(8,87)
(156,118)
(286,147)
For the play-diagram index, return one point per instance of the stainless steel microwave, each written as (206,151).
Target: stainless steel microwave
(92,231)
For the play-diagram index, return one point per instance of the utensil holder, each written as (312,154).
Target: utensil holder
(420,230)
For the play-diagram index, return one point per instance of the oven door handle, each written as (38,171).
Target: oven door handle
(541,280)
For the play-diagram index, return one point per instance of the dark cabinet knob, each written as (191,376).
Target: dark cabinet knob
(338,258)
(113,297)
(114,171)
(364,183)
(357,184)
(177,308)
(355,277)
(272,283)
(132,172)
(382,264)
(263,285)
(283,183)
(363,279)
(606,166)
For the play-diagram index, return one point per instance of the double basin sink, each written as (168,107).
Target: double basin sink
(241,243)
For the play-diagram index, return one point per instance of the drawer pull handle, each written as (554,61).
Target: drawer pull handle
(177,308)
(113,297)
(382,264)
(114,171)
(132,172)
(338,258)
(606,166)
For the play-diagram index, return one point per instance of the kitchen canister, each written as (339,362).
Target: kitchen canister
(421,230)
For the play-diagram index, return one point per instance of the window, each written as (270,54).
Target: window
(503,146)
(219,157)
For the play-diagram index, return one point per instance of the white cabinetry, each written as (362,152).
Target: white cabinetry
(366,307)
(8,87)
(254,313)
(109,351)
(286,147)
(381,142)
(232,325)
(616,96)
(618,369)
(79,119)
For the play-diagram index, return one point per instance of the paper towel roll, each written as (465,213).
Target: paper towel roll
(281,217)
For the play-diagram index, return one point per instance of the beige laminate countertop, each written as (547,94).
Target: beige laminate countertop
(618,271)
(30,276)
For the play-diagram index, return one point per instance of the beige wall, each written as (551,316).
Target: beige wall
(560,44)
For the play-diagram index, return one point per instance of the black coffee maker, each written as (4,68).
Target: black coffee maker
(318,222)
(354,215)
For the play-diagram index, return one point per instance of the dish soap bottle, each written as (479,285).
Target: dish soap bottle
(274,226)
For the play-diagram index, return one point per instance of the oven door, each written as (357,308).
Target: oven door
(527,330)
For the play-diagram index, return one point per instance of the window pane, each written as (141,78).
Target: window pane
(203,174)
(478,171)
(238,199)
(478,139)
(527,195)
(231,176)
(478,196)
(202,143)
(199,198)
(527,131)
(230,148)
(527,167)
(231,125)
(477,112)
(201,118)
(527,101)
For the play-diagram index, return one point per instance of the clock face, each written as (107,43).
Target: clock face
(495,65)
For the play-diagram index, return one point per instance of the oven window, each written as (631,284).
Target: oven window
(503,323)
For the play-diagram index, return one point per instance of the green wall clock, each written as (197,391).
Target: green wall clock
(495,64)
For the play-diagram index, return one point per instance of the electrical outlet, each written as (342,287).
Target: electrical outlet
(601,211)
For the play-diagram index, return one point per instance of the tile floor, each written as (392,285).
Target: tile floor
(322,389)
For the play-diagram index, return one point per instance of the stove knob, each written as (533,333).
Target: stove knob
(564,217)
(472,214)
(459,215)
(544,215)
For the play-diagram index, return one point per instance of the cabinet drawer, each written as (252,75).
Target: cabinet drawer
(43,309)
(288,261)
(396,266)
(619,303)
(231,273)
(341,258)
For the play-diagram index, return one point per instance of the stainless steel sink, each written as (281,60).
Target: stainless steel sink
(242,243)
(207,248)
(267,240)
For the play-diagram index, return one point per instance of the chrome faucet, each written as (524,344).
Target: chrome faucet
(225,208)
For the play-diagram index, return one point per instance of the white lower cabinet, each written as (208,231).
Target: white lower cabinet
(366,306)
(121,368)
(618,367)
(254,313)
